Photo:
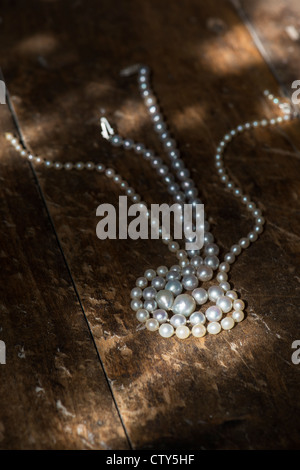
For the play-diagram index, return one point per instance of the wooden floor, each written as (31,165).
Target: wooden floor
(78,373)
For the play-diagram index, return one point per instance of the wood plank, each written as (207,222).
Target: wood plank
(62,65)
(54,393)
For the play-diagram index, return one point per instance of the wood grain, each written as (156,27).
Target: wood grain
(234,391)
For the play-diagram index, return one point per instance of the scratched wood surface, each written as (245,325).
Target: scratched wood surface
(63,289)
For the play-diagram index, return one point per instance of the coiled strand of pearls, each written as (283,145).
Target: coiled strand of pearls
(159,292)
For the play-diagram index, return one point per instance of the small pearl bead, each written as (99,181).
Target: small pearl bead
(222,277)
(224,267)
(79,166)
(238,304)
(57,165)
(232,294)
(90,166)
(178,320)
(197,317)
(152,324)
(100,167)
(229,258)
(158,282)
(142,315)
(238,316)
(225,286)
(204,273)
(149,274)
(244,243)
(150,305)
(182,332)
(214,328)
(149,293)
(141,282)
(162,270)
(136,293)
(227,323)
(68,166)
(166,330)
(160,315)
(136,304)
(198,331)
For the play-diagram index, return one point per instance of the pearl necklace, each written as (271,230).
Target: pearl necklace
(169,300)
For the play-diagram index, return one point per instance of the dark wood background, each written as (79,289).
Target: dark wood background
(79,375)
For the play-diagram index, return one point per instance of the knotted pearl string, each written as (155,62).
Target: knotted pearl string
(165,292)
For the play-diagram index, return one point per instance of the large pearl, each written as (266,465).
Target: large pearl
(200,295)
(213,313)
(174,286)
(182,332)
(164,299)
(197,317)
(214,328)
(178,320)
(198,331)
(166,330)
(160,315)
(189,281)
(184,304)
(214,292)
(225,303)
(204,273)
(227,323)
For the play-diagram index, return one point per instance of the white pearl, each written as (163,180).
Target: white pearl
(142,315)
(200,295)
(166,330)
(225,303)
(227,323)
(149,274)
(232,294)
(238,316)
(212,261)
(189,281)
(224,267)
(152,324)
(158,282)
(174,286)
(197,317)
(198,331)
(225,286)
(184,304)
(141,282)
(222,277)
(160,315)
(204,273)
(136,304)
(196,261)
(238,304)
(162,270)
(214,328)
(182,332)
(149,293)
(164,299)
(136,293)
(213,313)
(178,320)
(214,292)
(150,305)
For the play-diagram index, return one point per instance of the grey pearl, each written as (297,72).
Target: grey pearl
(184,304)
(149,293)
(164,299)
(116,140)
(160,315)
(158,282)
(173,275)
(150,305)
(204,273)
(189,281)
(188,270)
(212,261)
(211,249)
(174,286)
(197,317)
(178,320)
(200,295)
